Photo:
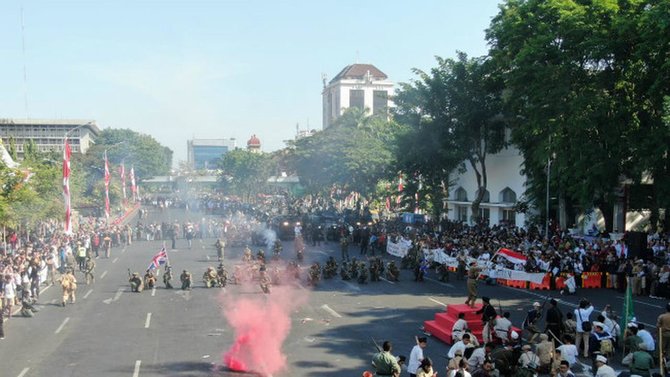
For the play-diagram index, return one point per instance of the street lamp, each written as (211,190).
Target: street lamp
(550,158)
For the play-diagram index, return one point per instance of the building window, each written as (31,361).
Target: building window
(380,102)
(484,214)
(461,195)
(462,213)
(507,195)
(357,98)
(509,217)
(487,196)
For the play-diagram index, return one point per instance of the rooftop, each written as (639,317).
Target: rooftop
(87,123)
(359,71)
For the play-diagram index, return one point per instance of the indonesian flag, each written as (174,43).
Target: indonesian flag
(512,256)
(159,259)
(400,184)
(122,173)
(133,188)
(107,179)
(388,203)
(67,153)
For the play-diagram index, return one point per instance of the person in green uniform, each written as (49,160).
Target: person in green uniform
(473,275)
(385,363)
(642,362)
(88,270)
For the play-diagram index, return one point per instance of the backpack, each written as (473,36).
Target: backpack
(606,347)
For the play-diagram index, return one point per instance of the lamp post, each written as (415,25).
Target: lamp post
(546,222)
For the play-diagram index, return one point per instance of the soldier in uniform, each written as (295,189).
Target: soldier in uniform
(344,247)
(185,279)
(265,281)
(149,279)
(363,274)
(277,249)
(136,283)
(247,255)
(330,269)
(222,276)
(314,273)
(219,245)
(393,273)
(353,268)
(210,277)
(374,270)
(473,275)
(167,277)
(344,271)
(260,255)
(385,363)
(69,284)
(88,270)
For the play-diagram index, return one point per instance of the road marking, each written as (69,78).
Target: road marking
(153,291)
(437,302)
(352,286)
(103,275)
(42,291)
(439,282)
(320,252)
(148,321)
(388,281)
(23,372)
(136,372)
(88,293)
(60,328)
(644,303)
(331,311)
(115,259)
(118,294)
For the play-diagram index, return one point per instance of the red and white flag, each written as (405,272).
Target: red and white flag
(107,179)
(122,173)
(159,259)
(133,188)
(67,153)
(512,256)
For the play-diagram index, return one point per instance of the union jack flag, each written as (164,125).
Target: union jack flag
(159,259)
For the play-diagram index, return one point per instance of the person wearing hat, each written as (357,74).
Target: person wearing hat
(136,283)
(528,356)
(69,284)
(532,320)
(641,362)
(554,320)
(603,370)
(185,279)
(545,351)
(600,341)
(473,275)
(88,270)
(663,324)
(631,340)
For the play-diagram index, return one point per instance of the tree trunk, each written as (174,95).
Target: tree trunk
(481,188)
(607,210)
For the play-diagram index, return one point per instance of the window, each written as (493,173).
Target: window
(461,195)
(462,213)
(487,196)
(357,98)
(484,214)
(509,217)
(380,102)
(507,195)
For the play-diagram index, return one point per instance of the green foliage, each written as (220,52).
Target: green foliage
(244,173)
(354,153)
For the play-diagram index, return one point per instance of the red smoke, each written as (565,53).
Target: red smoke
(261,323)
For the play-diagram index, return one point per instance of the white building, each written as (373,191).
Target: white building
(204,153)
(357,85)
(505,185)
(49,134)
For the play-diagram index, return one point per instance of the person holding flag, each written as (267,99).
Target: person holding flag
(160,258)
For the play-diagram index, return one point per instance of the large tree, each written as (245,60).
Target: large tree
(455,111)
(244,173)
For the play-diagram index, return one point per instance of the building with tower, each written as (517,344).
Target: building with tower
(358,85)
(254,144)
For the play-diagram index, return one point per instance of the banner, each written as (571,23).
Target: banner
(507,274)
(398,249)
(512,256)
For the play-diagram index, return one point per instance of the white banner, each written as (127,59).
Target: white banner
(507,274)
(398,249)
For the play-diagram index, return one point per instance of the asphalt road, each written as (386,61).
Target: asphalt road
(113,332)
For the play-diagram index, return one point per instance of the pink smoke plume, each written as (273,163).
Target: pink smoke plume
(261,325)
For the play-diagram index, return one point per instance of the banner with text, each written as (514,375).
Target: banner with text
(398,249)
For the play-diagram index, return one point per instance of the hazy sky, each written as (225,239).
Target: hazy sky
(179,70)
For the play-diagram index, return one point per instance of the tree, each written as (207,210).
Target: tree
(244,173)
(455,110)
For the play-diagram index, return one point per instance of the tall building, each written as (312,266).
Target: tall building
(49,134)
(204,153)
(357,85)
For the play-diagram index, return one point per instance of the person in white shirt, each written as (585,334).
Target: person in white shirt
(502,327)
(478,356)
(582,315)
(568,350)
(460,345)
(646,337)
(528,357)
(416,356)
(459,328)
(604,370)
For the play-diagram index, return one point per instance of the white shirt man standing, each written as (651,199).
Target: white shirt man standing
(416,356)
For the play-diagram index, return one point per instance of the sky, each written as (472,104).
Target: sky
(179,70)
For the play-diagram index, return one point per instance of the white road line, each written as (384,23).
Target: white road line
(88,293)
(124,249)
(644,303)
(118,294)
(320,252)
(388,281)
(23,372)
(147,322)
(153,291)
(60,328)
(352,286)
(439,282)
(437,302)
(44,290)
(103,275)
(331,311)
(136,372)
(115,259)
